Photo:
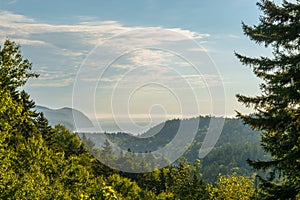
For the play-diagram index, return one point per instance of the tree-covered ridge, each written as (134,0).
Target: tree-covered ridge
(236,144)
(41,162)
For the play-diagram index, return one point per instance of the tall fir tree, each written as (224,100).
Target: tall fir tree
(277,110)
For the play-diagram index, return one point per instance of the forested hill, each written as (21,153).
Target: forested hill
(236,144)
(39,161)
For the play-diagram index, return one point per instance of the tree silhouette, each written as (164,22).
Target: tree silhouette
(277,109)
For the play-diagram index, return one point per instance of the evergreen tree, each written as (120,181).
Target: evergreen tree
(277,109)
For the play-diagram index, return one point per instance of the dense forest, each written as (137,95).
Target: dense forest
(236,144)
(43,162)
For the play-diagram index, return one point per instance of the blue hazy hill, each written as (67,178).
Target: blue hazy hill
(66,116)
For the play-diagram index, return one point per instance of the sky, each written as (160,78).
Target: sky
(139,60)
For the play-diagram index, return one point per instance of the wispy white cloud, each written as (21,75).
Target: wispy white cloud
(57,83)
(123,66)
(29,42)
(233,36)
(84,35)
(190,34)
(7,18)
(146,57)
(59,48)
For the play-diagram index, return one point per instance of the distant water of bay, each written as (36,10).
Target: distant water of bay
(135,126)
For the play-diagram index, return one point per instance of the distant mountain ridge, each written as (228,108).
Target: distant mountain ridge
(66,116)
(236,144)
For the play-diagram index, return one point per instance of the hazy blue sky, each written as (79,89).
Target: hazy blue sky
(135,56)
